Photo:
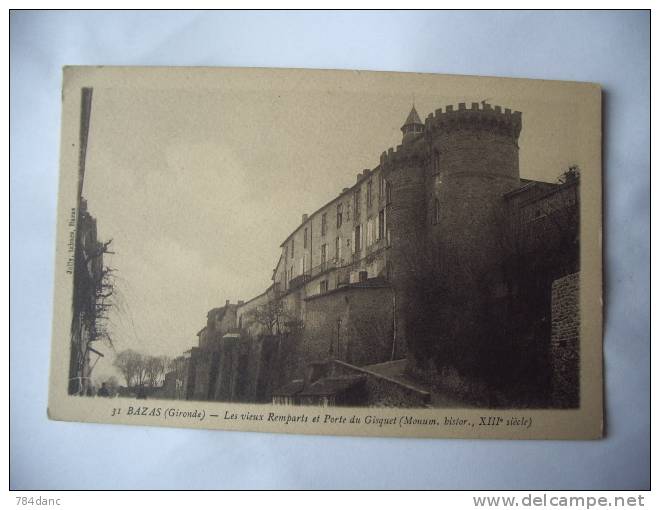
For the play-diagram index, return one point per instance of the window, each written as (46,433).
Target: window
(388,193)
(381,224)
(357,242)
(324,224)
(339,214)
(324,286)
(357,205)
(293,246)
(324,253)
(436,211)
(337,249)
(381,187)
(348,211)
(305,239)
(369,193)
(370,231)
(436,161)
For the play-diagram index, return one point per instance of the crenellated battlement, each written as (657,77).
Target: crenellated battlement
(479,117)
(399,154)
(482,117)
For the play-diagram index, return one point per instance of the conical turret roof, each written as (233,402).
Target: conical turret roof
(413,118)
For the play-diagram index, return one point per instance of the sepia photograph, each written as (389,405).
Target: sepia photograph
(330,250)
(301,239)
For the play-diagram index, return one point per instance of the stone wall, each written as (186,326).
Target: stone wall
(547,222)
(233,369)
(200,373)
(565,342)
(169,389)
(352,323)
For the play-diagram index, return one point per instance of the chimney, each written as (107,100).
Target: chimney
(227,303)
(366,171)
(241,302)
(345,190)
(304,218)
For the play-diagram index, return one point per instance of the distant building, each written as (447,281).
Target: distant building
(441,259)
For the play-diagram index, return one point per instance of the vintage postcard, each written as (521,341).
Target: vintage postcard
(329,252)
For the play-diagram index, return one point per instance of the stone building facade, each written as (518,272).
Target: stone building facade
(417,261)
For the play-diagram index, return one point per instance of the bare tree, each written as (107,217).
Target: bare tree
(92,299)
(284,328)
(266,316)
(132,366)
(155,367)
(105,300)
(273,318)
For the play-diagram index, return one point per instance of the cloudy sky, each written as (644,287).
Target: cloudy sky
(198,183)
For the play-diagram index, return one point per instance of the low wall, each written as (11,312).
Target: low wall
(381,391)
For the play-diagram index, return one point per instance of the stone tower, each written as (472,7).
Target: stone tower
(473,162)
(404,170)
(447,216)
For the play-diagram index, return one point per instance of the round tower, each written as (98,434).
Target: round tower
(404,172)
(448,223)
(473,163)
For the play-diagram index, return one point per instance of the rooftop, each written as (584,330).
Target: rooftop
(332,385)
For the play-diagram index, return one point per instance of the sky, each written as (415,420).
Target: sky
(198,183)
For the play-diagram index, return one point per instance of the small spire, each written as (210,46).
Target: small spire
(413,117)
(413,125)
